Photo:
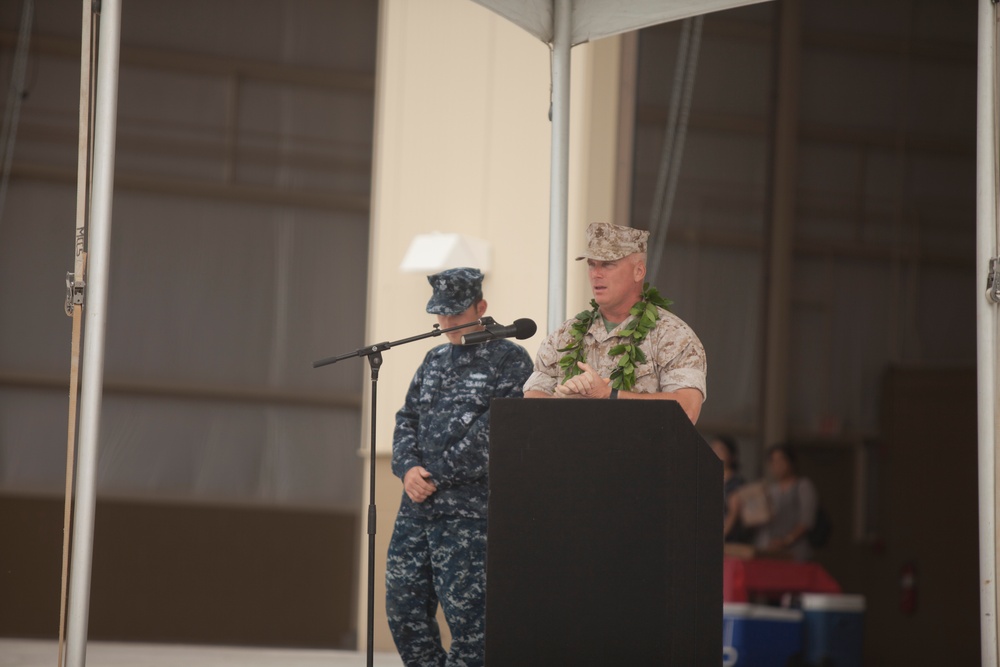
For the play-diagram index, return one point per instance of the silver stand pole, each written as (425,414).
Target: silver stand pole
(95,320)
(987,327)
(559,174)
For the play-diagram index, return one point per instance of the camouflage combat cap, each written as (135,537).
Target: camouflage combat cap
(455,290)
(607,242)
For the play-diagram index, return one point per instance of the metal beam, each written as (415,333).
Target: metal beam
(346,400)
(926,143)
(627,121)
(852,43)
(238,192)
(210,65)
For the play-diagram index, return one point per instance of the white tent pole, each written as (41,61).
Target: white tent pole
(105,117)
(559,181)
(987,328)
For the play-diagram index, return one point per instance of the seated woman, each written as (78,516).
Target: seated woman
(793,507)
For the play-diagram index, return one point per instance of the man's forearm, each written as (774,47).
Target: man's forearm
(690,400)
(535,393)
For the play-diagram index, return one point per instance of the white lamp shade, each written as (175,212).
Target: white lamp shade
(430,253)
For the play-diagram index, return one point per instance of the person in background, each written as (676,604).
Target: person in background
(793,501)
(440,452)
(726,448)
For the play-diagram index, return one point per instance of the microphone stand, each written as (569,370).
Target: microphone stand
(374,355)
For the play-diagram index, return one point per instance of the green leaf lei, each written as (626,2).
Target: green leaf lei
(645,315)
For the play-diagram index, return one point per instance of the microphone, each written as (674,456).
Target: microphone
(521,329)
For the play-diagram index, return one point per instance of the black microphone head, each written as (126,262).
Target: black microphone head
(524,328)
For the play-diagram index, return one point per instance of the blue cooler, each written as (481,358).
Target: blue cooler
(834,629)
(760,636)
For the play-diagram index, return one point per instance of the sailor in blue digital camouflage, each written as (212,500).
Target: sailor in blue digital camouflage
(437,554)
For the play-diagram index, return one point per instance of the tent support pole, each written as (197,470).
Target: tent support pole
(987,327)
(559,175)
(105,116)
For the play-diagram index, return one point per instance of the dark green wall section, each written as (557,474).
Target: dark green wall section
(186,573)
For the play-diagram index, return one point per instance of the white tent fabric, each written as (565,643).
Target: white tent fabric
(594,19)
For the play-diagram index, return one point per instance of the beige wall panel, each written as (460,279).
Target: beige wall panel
(593,154)
(462,140)
(462,144)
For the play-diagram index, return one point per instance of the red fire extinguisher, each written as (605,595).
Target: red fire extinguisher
(908,588)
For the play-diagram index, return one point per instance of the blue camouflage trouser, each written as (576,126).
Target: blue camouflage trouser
(437,560)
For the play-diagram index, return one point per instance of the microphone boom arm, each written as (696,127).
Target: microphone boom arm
(378,347)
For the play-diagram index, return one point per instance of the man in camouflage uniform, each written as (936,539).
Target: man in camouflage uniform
(675,365)
(440,450)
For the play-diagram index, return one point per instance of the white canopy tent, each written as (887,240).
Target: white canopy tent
(560,23)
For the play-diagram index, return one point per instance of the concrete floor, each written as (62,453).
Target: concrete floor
(41,653)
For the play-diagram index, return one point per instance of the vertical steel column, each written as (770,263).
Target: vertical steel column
(105,115)
(559,174)
(626,127)
(780,248)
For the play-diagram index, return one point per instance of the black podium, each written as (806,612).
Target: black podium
(605,536)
